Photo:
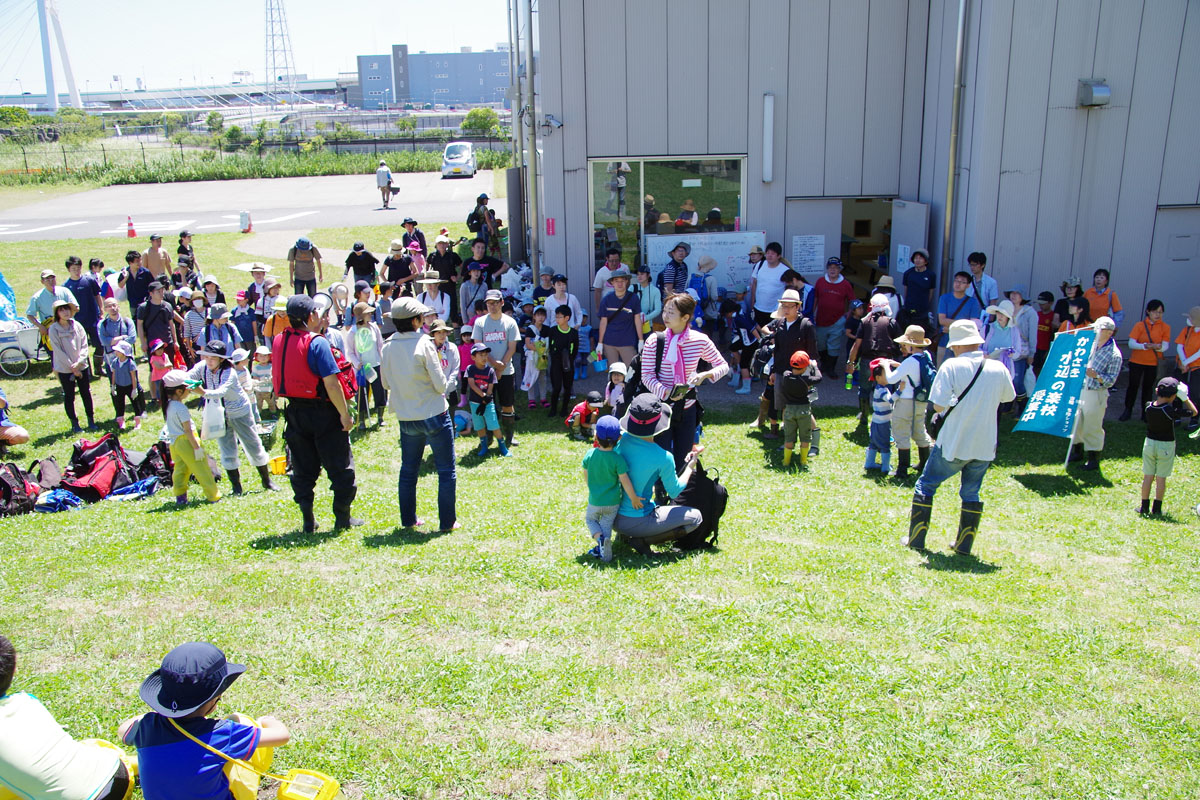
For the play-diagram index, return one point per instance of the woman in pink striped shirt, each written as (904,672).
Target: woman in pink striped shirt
(676,379)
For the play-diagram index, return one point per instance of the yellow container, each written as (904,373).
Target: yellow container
(128,759)
(306,784)
(278,465)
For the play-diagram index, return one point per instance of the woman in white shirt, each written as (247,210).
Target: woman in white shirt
(433,296)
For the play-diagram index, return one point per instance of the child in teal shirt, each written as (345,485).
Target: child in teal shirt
(606,475)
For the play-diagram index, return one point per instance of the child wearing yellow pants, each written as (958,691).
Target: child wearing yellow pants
(186,451)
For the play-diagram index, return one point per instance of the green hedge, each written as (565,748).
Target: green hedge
(208,166)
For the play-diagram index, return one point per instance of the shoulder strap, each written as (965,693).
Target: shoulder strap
(225,756)
(962,303)
(974,378)
(661,336)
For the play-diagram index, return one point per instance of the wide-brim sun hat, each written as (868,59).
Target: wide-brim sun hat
(174,378)
(920,250)
(408,221)
(439,325)
(191,675)
(124,348)
(964,332)
(687,248)
(914,336)
(397,246)
(886,282)
(646,416)
(756,250)
(1004,307)
(60,303)
(239,354)
(620,272)
(1193,316)
(215,348)
(1073,280)
(430,277)
(706,263)
(619,368)
(219,311)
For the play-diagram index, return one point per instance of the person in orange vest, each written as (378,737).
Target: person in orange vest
(1102,301)
(304,370)
(1187,355)
(1148,341)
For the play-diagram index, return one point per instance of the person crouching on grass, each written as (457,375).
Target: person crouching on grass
(180,745)
(583,417)
(607,475)
(1171,404)
(481,383)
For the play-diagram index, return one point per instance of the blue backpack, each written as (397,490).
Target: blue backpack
(928,371)
(699,282)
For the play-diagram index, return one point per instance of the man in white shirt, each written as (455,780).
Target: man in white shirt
(383,180)
(601,286)
(766,287)
(967,391)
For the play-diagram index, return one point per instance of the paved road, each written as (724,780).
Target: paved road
(274,204)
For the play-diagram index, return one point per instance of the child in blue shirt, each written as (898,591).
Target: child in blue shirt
(606,475)
(583,354)
(173,740)
(881,421)
(124,374)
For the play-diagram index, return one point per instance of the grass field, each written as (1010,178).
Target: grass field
(809,657)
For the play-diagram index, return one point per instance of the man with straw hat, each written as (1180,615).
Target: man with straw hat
(792,332)
(914,376)
(967,392)
(1103,367)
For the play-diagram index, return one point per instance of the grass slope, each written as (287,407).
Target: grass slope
(811,656)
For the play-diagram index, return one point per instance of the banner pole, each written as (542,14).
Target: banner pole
(1078,401)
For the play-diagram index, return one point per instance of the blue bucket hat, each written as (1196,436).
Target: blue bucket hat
(191,675)
(303,244)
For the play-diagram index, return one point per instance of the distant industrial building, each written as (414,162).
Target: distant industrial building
(446,78)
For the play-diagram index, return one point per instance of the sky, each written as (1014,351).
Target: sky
(165,42)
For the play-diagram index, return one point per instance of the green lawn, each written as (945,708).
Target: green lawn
(811,656)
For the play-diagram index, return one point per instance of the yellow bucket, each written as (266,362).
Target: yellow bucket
(278,465)
(306,784)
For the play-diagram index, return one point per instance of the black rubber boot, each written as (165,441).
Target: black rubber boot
(1156,509)
(864,412)
(903,459)
(235,481)
(1125,415)
(341,513)
(918,522)
(1093,460)
(264,472)
(968,527)
(923,454)
(1144,508)
(638,545)
(1076,453)
(308,523)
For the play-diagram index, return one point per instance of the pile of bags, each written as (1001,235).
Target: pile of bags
(99,470)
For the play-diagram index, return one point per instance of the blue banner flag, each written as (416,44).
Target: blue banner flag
(1055,399)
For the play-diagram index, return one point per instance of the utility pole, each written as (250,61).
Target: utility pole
(531,124)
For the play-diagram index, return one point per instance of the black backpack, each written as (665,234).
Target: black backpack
(763,355)
(18,493)
(705,493)
(634,377)
(474,223)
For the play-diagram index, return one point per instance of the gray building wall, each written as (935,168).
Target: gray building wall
(375,80)
(863,92)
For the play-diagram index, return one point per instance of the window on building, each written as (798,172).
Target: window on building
(689,196)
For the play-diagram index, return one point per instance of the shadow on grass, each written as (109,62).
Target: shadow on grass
(404,536)
(297,538)
(1062,485)
(624,557)
(941,562)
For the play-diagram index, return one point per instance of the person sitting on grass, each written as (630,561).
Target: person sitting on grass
(650,464)
(10,434)
(179,745)
(1171,404)
(481,382)
(583,416)
(797,394)
(38,758)
(187,454)
(606,475)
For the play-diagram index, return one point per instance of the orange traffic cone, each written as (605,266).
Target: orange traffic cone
(130,233)
(247,224)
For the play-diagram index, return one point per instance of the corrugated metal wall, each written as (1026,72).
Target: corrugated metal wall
(863,94)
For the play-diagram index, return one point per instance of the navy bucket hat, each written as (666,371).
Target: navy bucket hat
(191,675)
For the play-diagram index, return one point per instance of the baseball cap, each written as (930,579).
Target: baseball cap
(48,273)
(494,294)
(300,306)
(359,247)
(1167,387)
(174,378)
(479,347)
(608,428)
(466,330)
(594,398)
(1045,297)
(833,260)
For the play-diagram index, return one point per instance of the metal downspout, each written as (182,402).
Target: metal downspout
(955,124)
(531,127)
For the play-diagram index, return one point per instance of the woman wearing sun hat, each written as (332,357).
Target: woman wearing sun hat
(914,376)
(432,296)
(649,464)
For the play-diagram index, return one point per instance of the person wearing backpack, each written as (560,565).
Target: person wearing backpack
(649,464)
(876,339)
(913,378)
(318,422)
(704,284)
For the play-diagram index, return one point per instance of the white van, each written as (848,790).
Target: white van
(458,160)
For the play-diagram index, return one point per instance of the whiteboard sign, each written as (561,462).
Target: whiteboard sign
(731,249)
(808,253)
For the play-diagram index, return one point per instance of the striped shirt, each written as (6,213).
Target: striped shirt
(193,325)
(694,346)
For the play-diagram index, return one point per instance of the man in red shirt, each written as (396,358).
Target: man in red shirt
(833,297)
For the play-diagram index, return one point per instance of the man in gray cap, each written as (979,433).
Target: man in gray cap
(317,420)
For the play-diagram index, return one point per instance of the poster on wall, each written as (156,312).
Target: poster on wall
(731,249)
(808,253)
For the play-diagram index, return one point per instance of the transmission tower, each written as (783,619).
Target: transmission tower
(281,66)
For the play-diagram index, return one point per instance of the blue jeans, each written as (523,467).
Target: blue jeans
(829,337)
(938,469)
(1019,368)
(308,287)
(438,432)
